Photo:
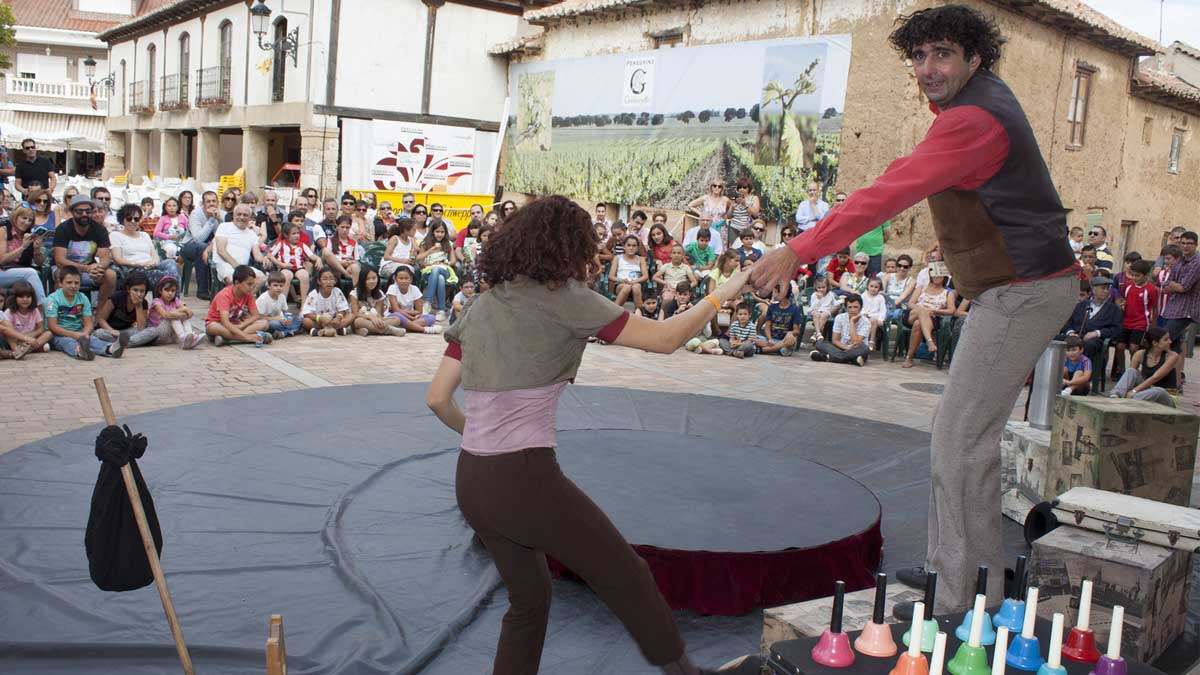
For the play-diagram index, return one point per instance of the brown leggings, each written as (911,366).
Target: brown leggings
(523,507)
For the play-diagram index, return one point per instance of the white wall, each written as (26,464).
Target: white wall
(381,49)
(170,59)
(52,68)
(467,81)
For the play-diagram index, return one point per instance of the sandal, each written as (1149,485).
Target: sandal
(908,363)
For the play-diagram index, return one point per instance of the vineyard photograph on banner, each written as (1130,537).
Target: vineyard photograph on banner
(649,128)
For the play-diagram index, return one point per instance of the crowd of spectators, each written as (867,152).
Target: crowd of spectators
(371,267)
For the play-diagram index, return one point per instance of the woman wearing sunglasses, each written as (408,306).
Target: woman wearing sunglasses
(43,215)
(714,204)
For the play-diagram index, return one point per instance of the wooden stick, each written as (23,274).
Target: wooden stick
(135,500)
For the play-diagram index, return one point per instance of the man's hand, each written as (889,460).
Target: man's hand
(1091,335)
(774,270)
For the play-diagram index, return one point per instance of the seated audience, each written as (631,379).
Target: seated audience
(660,241)
(855,279)
(681,300)
(1151,374)
(170,227)
(1096,320)
(874,307)
(933,302)
(1141,311)
(674,272)
(781,329)
(82,242)
(822,304)
(402,298)
(401,248)
(740,342)
(237,244)
(850,342)
(628,271)
(326,311)
(837,267)
(202,225)
(22,252)
(650,308)
(437,262)
(1077,369)
(705,223)
(69,314)
(368,307)
(292,258)
(22,327)
(171,316)
(272,305)
(133,249)
(233,315)
(341,252)
(748,251)
(126,314)
(466,292)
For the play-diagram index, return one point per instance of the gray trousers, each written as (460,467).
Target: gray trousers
(1132,378)
(1005,333)
(746,348)
(836,355)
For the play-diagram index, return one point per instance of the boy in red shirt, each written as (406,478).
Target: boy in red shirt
(1141,311)
(233,316)
(839,266)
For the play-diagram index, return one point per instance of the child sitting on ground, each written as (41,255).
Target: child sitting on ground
(781,328)
(1151,375)
(849,341)
(272,304)
(821,305)
(26,333)
(368,306)
(69,313)
(1077,369)
(402,299)
(740,342)
(326,312)
(233,316)
(466,291)
(171,317)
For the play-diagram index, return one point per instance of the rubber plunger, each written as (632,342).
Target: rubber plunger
(1111,662)
(833,649)
(912,662)
(1012,612)
(971,657)
(998,660)
(1081,642)
(1053,664)
(876,637)
(930,629)
(1025,653)
(987,636)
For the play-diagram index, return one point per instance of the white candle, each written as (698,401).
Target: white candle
(914,634)
(1001,649)
(939,654)
(977,621)
(1055,655)
(1085,605)
(1114,636)
(1030,613)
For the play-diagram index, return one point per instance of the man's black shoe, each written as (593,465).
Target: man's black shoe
(912,576)
(207,297)
(903,611)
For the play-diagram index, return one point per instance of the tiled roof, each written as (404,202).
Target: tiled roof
(61,15)
(1167,89)
(526,44)
(157,12)
(1071,16)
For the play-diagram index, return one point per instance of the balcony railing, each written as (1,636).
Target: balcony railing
(174,92)
(212,86)
(141,97)
(20,89)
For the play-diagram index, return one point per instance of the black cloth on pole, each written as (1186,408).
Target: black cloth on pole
(116,557)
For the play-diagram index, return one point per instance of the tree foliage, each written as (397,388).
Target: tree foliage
(8,36)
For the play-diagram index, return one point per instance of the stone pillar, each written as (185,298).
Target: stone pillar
(170,154)
(255,149)
(319,150)
(139,156)
(208,155)
(114,154)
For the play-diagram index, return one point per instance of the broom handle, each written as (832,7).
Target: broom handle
(135,500)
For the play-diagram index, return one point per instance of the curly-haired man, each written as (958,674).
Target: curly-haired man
(1002,230)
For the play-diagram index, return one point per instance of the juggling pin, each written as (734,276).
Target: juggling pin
(912,662)
(1025,653)
(971,657)
(939,654)
(1053,664)
(988,634)
(1081,643)
(876,638)
(998,659)
(833,649)
(930,629)
(1012,612)
(1111,663)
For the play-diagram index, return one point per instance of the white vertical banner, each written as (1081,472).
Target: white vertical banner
(638,87)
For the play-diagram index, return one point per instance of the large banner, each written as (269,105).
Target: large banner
(405,157)
(655,128)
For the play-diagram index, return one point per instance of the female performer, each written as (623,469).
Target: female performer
(513,350)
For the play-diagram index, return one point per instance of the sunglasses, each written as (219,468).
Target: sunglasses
(1094,234)
(227,199)
(419,213)
(347,203)
(362,209)
(130,219)
(758,229)
(41,201)
(840,201)
(719,185)
(904,267)
(29,147)
(437,210)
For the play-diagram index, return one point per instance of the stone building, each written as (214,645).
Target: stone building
(202,92)
(1115,130)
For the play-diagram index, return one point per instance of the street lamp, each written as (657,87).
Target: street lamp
(288,45)
(89,69)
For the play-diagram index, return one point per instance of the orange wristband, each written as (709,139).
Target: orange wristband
(716,303)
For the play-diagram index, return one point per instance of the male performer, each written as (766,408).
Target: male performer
(1003,233)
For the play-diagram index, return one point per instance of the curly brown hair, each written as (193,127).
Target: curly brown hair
(548,240)
(970,28)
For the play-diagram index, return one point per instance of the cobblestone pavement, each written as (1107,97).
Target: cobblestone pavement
(60,390)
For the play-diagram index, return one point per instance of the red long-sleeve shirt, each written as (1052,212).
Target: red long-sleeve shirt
(964,147)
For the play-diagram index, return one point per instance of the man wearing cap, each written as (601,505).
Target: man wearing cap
(1003,233)
(1096,320)
(83,242)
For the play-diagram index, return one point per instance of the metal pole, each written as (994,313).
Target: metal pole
(1047,383)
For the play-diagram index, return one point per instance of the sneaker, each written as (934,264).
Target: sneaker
(739,354)
(20,352)
(266,337)
(278,335)
(396,330)
(440,317)
(362,331)
(912,576)
(6,354)
(426,308)
(117,350)
(817,356)
(314,332)
(860,361)
(190,340)
(344,330)
(85,350)
(46,348)
(433,330)
(219,341)
(903,611)
(785,351)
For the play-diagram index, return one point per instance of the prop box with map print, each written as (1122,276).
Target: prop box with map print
(651,128)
